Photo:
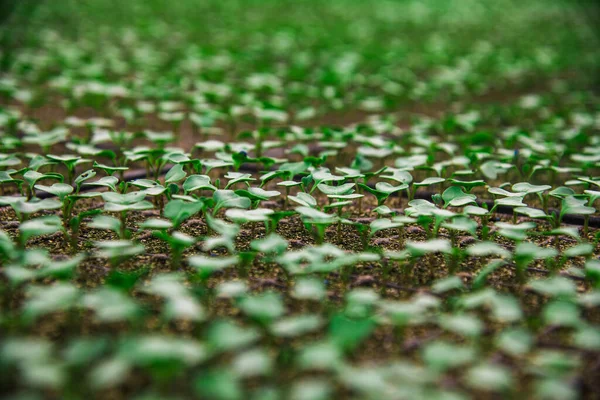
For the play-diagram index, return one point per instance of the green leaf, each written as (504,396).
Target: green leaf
(304,199)
(382,224)
(434,180)
(531,212)
(441,356)
(264,307)
(588,338)
(226,335)
(252,363)
(178,211)
(462,324)
(309,289)
(489,377)
(139,206)
(175,174)
(197,182)
(107,181)
(418,249)
(237,177)
(447,284)
(582,249)
(109,373)
(514,341)
(156,224)
(462,224)
(526,187)
(106,223)
(47,299)
(271,244)
(346,334)
(482,249)
(242,216)
(336,190)
(61,270)
(60,190)
(218,384)
(31,177)
(151,188)
(474,210)
(32,207)
(315,216)
(311,389)
(206,266)
(556,286)
(255,194)
(561,313)
(84,177)
(296,326)
(110,305)
(228,199)
(492,168)
(155,350)
(572,205)
(455,197)
(116,249)
(40,226)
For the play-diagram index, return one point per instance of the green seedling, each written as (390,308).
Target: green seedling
(197,182)
(318,220)
(382,190)
(111,170)
(207,266)
(124,203)
(540,190)
(224,199)
(177,211)
(526,253)
(256,195)
(424,183)
(37,227)
(428,215)
(32,177)
(110,182)
(178,242)
(70,162)
(455,197)
(118,251)
(240,216)
(70,223)
(288,185)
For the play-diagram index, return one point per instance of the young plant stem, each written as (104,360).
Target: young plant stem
(123,230)
(401,236)
(287,195)
(484,227)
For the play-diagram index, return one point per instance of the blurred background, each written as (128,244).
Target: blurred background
(324,42)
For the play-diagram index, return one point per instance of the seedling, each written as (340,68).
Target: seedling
(177,211)
(288,185)
(229,199)
(438,298)
(70,162)
(425,183)
(382,190)
(118,251)
(124,203)
(525,253)
(70,223)
(318,220)
(178,242)
(32,177)
(539,190)
(256,195)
